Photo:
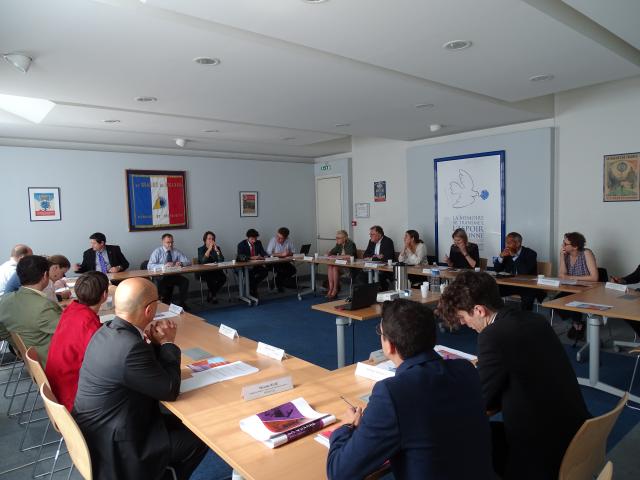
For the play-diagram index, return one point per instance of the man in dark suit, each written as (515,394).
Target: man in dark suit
(423,418)
(102,257)
(518,260)
(252,249)
(525,374)
(379,249)
(122,380)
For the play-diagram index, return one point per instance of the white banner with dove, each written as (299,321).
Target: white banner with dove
(470,194)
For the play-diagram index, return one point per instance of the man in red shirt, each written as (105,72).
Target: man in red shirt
(78,323)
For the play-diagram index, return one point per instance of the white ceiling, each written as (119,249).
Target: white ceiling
(291,71)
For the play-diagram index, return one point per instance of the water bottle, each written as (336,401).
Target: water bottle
(435,280)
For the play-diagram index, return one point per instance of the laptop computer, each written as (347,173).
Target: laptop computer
(304,249)
(363,296)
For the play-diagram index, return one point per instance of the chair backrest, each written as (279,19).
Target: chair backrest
(431,259)
(19,344)
(544,268)
(607,472)
(67,426)
(585,454)
(143,265)
(603,276)
(35,368)
(359,253)
(483,263)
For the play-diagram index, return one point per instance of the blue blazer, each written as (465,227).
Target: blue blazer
(245,249)
(428,420)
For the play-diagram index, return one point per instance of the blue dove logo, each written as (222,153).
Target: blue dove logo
(484,194)
(463,190)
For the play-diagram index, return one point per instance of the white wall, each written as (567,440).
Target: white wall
(93,198)
(593,122)
(375,159)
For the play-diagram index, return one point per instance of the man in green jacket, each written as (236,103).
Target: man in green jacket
(28,312)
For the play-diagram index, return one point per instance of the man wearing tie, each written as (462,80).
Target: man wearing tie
(167,256)
(102,257)
(252,248)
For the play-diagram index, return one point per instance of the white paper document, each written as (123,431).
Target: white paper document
(165,315)
(217,374)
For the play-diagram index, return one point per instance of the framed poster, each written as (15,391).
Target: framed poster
(44,204)
(470,194)
(248,204)
(621,177)
(380,191)
(157,200)
(362,210)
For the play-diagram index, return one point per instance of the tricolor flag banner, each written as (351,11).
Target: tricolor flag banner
(157,200)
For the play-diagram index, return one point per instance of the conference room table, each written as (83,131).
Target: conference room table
(621,305)
(345,318)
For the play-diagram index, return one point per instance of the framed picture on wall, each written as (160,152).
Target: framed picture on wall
(380,191)
(621,177)
(157,200)
(248,204)
(44,204)
(362,210)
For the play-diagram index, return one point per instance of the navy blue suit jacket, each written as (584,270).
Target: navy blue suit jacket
(245,249)
(428,420)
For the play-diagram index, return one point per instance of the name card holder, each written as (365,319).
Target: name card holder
(548,282)
(371,265)
(372,372)
(616,286)
(264,389)
(228,332)
(270,259)
(270,351)
(307,259)
(176,309)
(341,262)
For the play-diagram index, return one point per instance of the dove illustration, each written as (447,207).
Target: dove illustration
(463,191)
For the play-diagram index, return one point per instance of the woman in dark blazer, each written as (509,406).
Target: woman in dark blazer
(463,254)
(210,253)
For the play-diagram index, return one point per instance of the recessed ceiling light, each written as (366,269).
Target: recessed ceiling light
(315,1)
(207,61)
(541,78)
(19,61)
(434,127)
(111,120)
(287,139)
(342,125)
(425,105)
(146,99)
(457,44)
(32,109)
(211,130)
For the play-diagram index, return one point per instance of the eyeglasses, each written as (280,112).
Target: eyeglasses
(152,301)
(379,330)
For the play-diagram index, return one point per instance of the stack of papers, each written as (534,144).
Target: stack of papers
(217,371)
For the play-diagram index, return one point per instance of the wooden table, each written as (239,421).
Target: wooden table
(345,318)
(531,281)
(626,306)
(219,427)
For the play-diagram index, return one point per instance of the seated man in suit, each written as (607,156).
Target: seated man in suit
(282,246)
(379,249)
(428,420)
(518,260)
(525,374)
(122,381)
(102,257)
(28,311)
(8,268)
(78,323)
(252,249)
(168,256)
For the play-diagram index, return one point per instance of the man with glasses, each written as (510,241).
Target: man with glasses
(422,418)
(168,256)
(130,365)
(281,246)
(379,249)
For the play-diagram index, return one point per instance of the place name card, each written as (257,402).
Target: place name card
(158,268)
(377,356)
(228,331)
(107,318)
(341,262)
(616,286)
(225,264)
(549,282)
(177,309)
(171,269)
(271,259)
(270,351)
(371,265)
(372,372)
(264,389)
(307,259)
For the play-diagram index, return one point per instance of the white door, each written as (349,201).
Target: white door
(328,211)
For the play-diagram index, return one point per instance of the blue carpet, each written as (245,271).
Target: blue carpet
(292,325)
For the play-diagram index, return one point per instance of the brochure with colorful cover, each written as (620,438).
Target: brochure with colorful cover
(453,354)
(324,436)
(206,364)
(285,423)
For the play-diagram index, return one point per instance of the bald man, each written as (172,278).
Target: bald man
(8,268)
(122,379)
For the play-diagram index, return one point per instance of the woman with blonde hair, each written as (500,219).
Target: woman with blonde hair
(343,249)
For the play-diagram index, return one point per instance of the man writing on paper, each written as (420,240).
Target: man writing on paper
(122,380)
(525,374)
(428,419)
(281,246)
